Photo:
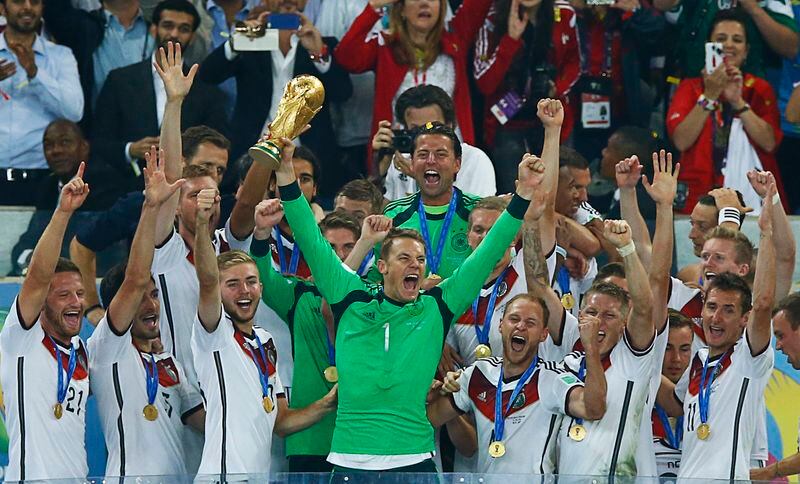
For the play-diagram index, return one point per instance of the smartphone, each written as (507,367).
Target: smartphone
(283,21)
(714,56)
(403,140)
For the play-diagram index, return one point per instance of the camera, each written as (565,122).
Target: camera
(542,81)
(403,140)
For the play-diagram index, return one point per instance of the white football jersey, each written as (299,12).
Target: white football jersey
(137,446)
(42,447)
(610,444)
(462,336)
(733,412)
(531,424)
(645,457)
(238,429)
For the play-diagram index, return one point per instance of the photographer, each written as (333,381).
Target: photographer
(526,50)
(392,147)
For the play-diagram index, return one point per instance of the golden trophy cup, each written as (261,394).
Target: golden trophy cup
(302,99)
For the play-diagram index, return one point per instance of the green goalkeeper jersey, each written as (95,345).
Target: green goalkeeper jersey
(387,351)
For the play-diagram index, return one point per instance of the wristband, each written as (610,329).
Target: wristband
(627,250)
(322,56)
(707,104)
(92,308)
(561,251)
(729,214)
(776,199)
(741,110)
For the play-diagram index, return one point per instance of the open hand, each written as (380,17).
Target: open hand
(156,188)
(665,181)
(516,22)
(170,69)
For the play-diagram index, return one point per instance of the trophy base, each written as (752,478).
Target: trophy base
(267,153)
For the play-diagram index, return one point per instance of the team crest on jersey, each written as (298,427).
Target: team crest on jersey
(520,401)
(459,242)
(503,289)
(482,396)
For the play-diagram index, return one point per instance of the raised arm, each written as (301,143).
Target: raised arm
(333,280)
(292,420)
(461,288)
(373,231)
(628,172)
(123,307)
(640,326)
(34,289)
(589,402)
(249,196)
(177,86)
(779,37)
(783,237)
(209,308)
(662,191)
(551,114)
(490,66)
(278,291)
(759,333)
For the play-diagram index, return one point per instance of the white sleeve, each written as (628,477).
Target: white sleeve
(233,242)
(461,397)
(191,398)
(169,254)
(586,213)
(555,384)
(277,385)
(14,338)
(105,346)
(683,384)
(214,341)
(758,366)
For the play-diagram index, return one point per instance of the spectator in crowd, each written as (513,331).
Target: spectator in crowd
(417,49)
(260,80)
(616,44)
(64,148)
(360,198)
(668,431)
(38,84)
(113,36)
(125,130)
(526,50)
(414,108)
(727,122)
(352,119)
(769,26)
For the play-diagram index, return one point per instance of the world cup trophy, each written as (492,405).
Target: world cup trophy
(302,99)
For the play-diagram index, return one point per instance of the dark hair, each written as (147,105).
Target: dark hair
(727,281)
(192,138)
(530,297)
(790,305)
(422,96)
(177,6)
(609,270)
(65,265)
(633,140)
(394,235)
(709,201)
(111,283)
(64,122)
(570,157)
(440,129)
(195,171)
(678,320)
(305,153)
(611,290)
(729,15)
(242,166)
(363,190)
(339,219)
(534,53)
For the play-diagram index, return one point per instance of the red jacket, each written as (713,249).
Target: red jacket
(697,166)
(494,56)
(358,51)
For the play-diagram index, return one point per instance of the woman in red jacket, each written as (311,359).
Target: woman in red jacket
(526,50)
(725,123)
(417,49)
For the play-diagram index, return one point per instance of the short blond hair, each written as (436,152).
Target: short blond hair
(233,258)
(743,248)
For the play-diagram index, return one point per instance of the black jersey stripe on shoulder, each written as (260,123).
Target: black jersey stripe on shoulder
(447,315)
(621,429)
(550,431)
(21,412)
(120,424)
(352,297)
(223,469)
(736,422)
(300,289)
(162,287)
(402,201)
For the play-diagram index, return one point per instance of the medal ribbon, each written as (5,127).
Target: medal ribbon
(673,438)
(61,392)
(151,379)
(563,280)
(262,375)
(292,269)
(435,258)
(704,395)
(499,415)
(581,377)
(331,349)
(483,333)
(364,262)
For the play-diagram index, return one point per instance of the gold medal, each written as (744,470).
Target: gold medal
(58,411)
(434,276)
(331,374)
(577,432)
(568,301)
(267,402)
(497,449)
(483,351)
(703,431)
(150,412)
